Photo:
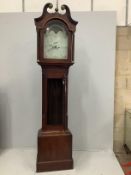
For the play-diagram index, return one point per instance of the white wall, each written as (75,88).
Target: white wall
(91,81)
(129,18)
(112,5)
(78,5)
(75,5)
(11,6)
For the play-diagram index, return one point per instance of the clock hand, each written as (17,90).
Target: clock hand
(55,47)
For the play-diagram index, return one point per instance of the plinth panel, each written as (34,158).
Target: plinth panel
(54,151)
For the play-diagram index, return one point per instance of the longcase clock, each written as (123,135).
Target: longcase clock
(55,54)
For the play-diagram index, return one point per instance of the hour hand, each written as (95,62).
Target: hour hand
(55,47)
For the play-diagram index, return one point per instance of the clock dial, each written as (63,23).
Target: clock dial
(55,41)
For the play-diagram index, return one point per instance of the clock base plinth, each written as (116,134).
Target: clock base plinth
(54,151)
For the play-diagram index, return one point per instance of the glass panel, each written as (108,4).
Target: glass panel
(55,102)
(55,41)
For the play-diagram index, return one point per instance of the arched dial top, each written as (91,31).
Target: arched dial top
(55,41)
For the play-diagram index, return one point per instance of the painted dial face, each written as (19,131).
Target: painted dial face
(55,41)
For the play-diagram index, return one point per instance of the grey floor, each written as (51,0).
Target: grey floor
(23,162)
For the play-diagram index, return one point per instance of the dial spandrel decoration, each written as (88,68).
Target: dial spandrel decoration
(55,41)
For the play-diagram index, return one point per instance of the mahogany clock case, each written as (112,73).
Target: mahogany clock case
(54,138)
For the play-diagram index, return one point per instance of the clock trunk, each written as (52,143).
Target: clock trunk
(55,97)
